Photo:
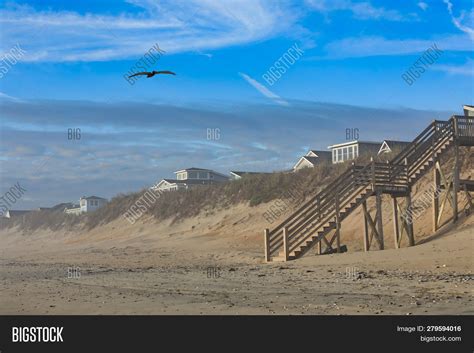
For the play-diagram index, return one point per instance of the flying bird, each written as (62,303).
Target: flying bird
(153,73)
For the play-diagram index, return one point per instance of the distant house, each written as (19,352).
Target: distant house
(187,178)
(311,159)
(468,110)
(15,213)
(86,204)
(351,150)
(76,209)
(91,203)
(390,145)
(236,175)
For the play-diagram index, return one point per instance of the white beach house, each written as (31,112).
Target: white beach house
(190,177)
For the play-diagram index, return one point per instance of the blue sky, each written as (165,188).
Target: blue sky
(347,74)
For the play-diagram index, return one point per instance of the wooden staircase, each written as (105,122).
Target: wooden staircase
(311,223)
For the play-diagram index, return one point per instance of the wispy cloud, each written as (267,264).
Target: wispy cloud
(457,21)
(360,10)
(192,25)
(377,45)
(466,69)
(422,5)
(263,90)
(122,151)
(4,96)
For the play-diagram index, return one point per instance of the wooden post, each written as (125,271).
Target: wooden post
(373,172)
(378,202)
(409,220)
(366,227)
(266,239)
(338,224)
(396,227)
(456,180)
(338,235)
(319,247)
(285,244)
(436,182)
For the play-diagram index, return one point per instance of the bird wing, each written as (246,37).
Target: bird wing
(166,72)
(140,73)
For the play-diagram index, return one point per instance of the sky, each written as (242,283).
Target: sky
(276,78)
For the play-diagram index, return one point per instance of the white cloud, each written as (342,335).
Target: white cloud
(185,26)
(458,21)
(4,96)
(263,90)
(422,5)
(467,69)
(377,45)
(361,10)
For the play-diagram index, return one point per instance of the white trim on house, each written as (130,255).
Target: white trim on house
(468,110)
(303,160)
(384,148)
(190,177)
(344,152)
(311,159)
(347,151)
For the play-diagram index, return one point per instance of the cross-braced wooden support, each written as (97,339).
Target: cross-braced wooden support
(374,224)
(445,189)
(402,222)
(469,204)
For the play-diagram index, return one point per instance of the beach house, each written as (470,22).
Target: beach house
(86,204)
(312,158)
(190,177)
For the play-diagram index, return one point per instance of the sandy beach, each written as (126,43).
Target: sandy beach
(113,270)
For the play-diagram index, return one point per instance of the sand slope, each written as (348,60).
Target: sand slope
(213,265)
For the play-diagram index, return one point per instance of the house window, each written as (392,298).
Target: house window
(334,156)
(192,175)
(356,151)
(345,154)
(351,152)
(339,155)
(202,175)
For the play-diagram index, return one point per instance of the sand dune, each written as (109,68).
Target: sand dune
(214,265)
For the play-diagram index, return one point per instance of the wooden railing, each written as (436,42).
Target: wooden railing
(464,126)
(331,203)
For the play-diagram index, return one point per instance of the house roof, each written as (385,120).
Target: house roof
(17,212)
(319,152)
(92,198)
(63,205)
(193,169)
(393,142)
(354,142)
(239,173)
(201,170)
(312,160)
(189,181)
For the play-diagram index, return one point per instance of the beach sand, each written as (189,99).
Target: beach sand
(214,265)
